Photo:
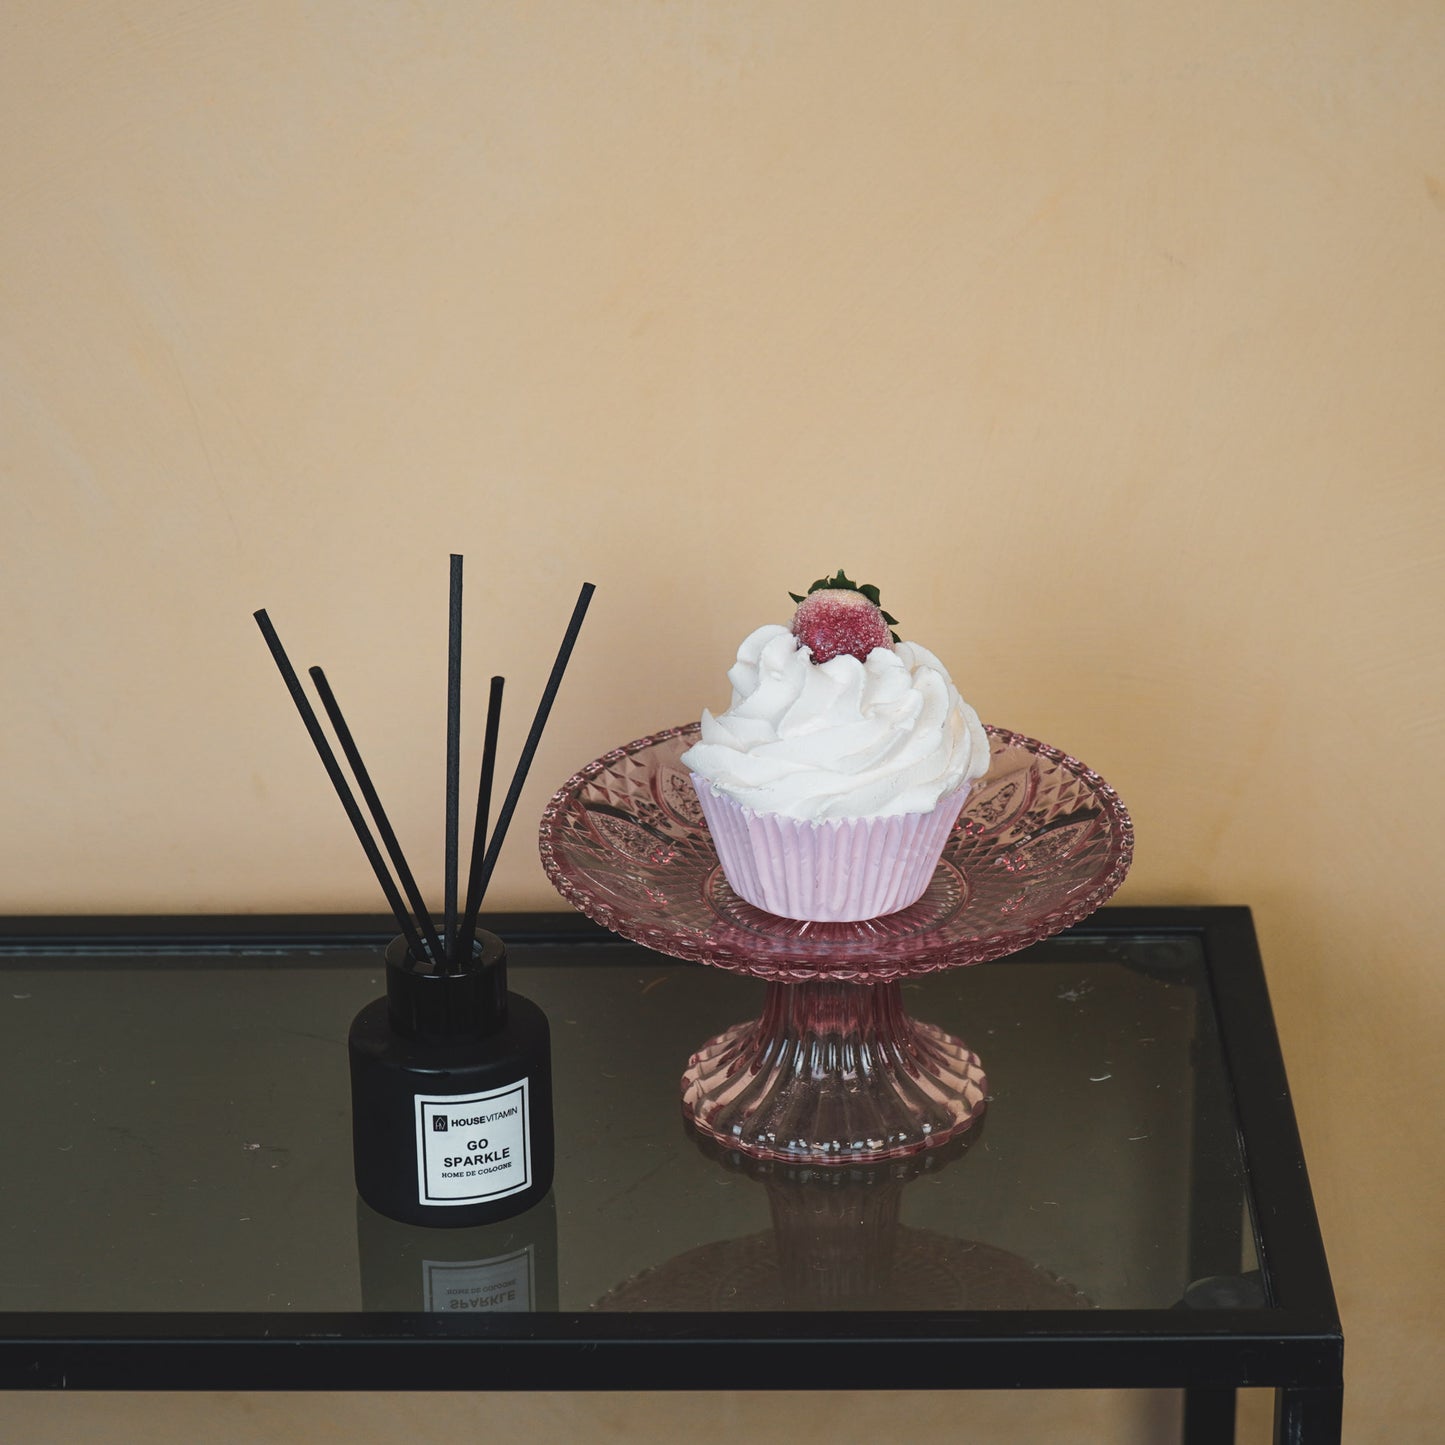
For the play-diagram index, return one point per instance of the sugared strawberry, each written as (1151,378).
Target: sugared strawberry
(837,621)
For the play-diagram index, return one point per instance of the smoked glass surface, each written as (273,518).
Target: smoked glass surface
(177,1138)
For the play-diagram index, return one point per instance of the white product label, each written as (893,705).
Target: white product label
(487,1286)
(471,1147)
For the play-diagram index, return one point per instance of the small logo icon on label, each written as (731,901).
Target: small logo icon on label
(438,1123)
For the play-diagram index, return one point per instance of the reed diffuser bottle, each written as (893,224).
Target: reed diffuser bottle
(451,1092)
(451,1074)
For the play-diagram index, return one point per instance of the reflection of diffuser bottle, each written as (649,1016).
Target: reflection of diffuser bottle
(451,1093)
(503,1268)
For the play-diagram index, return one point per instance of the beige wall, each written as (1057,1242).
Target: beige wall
(1107,338)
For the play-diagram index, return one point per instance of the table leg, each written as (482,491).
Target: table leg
(1208,1417)
(1216,1228)
(1308,1417)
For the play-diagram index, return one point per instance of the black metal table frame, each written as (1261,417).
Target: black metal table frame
(1294,1344)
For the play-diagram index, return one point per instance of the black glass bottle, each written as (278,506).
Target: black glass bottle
(451,1093)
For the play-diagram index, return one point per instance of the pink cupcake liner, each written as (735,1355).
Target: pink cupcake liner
(838,871)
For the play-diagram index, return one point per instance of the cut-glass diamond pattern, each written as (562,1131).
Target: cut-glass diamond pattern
(1041,843)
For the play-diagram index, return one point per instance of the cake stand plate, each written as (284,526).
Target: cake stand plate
(835,1070)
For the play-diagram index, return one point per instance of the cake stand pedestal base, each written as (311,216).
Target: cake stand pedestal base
(834,1072)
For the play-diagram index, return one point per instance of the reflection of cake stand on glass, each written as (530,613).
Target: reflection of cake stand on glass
(835,1070)
(836,1243)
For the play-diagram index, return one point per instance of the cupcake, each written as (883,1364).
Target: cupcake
(831,783)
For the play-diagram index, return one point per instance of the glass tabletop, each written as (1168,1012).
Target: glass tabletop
(177,1139)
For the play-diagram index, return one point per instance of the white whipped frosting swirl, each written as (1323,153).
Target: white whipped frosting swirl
(844,739)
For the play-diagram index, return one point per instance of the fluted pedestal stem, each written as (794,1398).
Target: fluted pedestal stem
(833,1072)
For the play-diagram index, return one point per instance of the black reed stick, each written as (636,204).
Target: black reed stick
(378,813)
(479,831)
(454,751)
(338,781)
(509,806)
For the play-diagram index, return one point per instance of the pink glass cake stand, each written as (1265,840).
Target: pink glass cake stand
(835,1070)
